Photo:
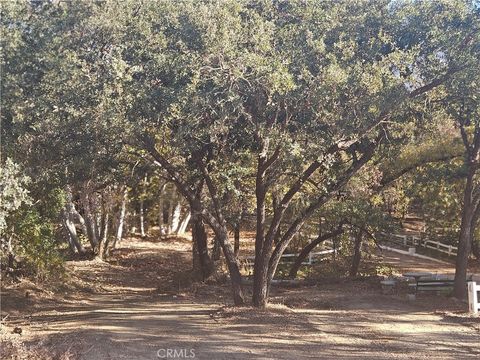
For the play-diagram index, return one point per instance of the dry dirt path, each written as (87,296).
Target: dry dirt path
(405,263)
(141,308)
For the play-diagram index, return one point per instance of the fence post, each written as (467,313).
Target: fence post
(449,249)
(310,258)
(472,297)
(405,240)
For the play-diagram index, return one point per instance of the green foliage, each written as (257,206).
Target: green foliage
(36,245)
(88,88)
(13,191)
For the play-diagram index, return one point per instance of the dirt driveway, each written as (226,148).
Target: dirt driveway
(140,309)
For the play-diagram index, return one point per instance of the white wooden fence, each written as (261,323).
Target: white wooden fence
(312,256)
(416,240)
(473,304)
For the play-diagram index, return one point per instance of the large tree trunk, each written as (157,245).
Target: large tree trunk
(357,254)
(308,248)
(260,266)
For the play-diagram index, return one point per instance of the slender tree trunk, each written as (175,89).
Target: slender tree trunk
(216,249)
(160,211)
(202,261)
(11,254)
(72,232)
(217,222)
(236,239)
(142,219)
(464,243)
(176,217)
(357,254)
(232,264)
(308,248)
(474,245)
(121,218)
(70,242)
(104,239)
(298,223)
(171,208)
(90,221)
(183,225)
(75,215)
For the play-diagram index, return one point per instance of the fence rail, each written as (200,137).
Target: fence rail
(312,256)
(417,241)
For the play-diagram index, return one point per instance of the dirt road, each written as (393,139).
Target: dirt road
(142,309)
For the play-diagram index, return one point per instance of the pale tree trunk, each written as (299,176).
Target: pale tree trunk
(142,219)
(104,239)
(11,254)
(90,220)
(72,231)
(121,218)
(73,214)
(98,217)
(171,210)
(68,237)
(105,222)
(176,218)
(184,223)
(68,216)
(160,210)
